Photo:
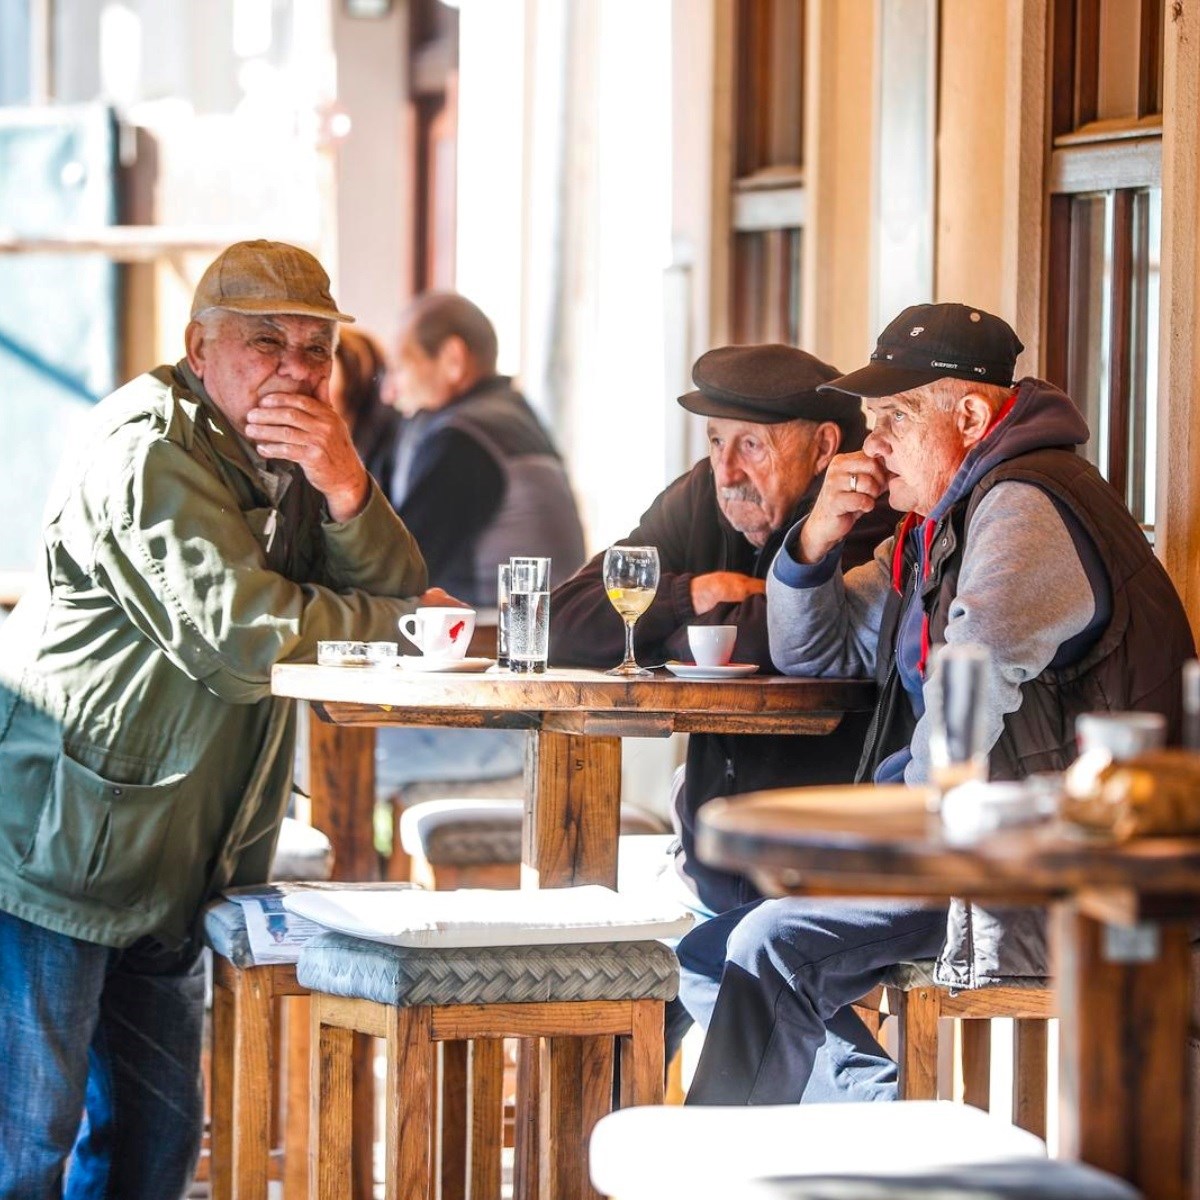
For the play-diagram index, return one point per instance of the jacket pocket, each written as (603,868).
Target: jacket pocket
(97,839)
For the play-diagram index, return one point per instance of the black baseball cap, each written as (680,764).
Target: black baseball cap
(928,342)
(769,384)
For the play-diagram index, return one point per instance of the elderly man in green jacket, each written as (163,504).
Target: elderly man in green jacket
(216,521)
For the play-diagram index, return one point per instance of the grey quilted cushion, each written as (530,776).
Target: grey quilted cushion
(908,976)
(225,932)
(346,966)
(469,832)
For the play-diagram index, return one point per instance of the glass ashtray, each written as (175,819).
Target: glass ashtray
(356,654)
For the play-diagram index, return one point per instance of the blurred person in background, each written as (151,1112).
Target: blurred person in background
(476,478)
(357,393)
(475,475)
(217,522)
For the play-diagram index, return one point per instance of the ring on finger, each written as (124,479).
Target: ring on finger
(853,481)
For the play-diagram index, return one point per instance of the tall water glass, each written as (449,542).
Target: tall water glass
(955,709)
(529,614)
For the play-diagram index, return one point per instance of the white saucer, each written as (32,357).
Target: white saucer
(728,671)
(445,666)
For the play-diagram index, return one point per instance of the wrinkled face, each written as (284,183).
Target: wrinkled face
(920,446)
(242,358)
(420,380)
(761,471)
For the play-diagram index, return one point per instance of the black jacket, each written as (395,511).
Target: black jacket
(693,538)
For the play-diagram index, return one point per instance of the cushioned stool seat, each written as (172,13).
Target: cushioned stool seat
(911,995)
(477,842)
(339,965)
(830,1150)
(301,853)
(577,997)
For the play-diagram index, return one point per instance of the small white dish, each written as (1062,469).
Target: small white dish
(695,671)
(420,665)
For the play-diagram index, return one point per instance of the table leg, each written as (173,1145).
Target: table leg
(572,820)
(1123,1066)
(342,789)
(573,810)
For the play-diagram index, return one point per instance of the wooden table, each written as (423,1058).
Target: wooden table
(576,720)
(1121,917)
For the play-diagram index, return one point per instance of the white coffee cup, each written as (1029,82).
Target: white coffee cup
(440,632)
(712,645)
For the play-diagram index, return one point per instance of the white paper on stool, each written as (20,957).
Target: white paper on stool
(493,917)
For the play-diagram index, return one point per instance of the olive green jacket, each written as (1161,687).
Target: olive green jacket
(144,764)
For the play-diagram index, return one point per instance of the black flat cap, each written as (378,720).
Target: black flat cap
(769,384)
(928,342)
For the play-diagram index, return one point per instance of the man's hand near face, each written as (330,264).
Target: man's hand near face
(723,587)
(853,486)
(306,430)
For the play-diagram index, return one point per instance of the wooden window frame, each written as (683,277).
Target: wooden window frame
(1099,157)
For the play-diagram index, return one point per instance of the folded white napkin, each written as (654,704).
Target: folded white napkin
(487,917)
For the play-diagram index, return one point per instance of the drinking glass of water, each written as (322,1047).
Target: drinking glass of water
(630,579)
(528,614)
(955,708)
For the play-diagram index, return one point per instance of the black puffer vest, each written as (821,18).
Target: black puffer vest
(1134,664)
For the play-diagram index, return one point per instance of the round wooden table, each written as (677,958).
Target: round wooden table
(1120,930)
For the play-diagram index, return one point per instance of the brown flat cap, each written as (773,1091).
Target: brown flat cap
(267,277)
(769,384)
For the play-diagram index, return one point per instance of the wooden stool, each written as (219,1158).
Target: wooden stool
(575,997)
(918,1003)
(245,1076)
(818,1151)
(476,842)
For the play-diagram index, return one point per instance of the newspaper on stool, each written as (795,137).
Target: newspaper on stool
(277,935)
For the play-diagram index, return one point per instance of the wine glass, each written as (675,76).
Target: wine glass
(630,580)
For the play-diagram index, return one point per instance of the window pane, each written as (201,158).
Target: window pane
(1147,215)
(766,286)
(15,49)
(1088,345)
(1117,83)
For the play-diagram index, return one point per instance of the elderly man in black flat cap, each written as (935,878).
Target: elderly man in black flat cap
(771,435)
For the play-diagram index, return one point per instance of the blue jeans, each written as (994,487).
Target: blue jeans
(101,1054)
(773,981)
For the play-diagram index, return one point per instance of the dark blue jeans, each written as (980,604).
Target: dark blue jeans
(772,983)
(109,1036)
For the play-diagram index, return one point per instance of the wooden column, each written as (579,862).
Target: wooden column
(1123,1078)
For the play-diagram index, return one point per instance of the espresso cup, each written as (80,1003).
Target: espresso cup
(711,645)
(443,633)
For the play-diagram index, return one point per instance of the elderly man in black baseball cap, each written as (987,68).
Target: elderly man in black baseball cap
(771,434)
(1011,542)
